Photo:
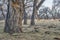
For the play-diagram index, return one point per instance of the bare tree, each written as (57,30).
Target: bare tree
(35,9)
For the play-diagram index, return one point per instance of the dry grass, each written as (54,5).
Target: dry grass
(48,30)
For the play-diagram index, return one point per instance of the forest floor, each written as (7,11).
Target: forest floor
(44,30)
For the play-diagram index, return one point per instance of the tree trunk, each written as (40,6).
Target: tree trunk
(35,9)
(25,17)
(25,14)
(13,21)
(34,12)
(7,27)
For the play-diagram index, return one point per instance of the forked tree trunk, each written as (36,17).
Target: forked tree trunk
(35,9)
(13,21)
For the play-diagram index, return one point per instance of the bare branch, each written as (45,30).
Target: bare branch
(40,4)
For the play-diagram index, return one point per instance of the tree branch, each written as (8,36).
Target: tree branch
(40,4)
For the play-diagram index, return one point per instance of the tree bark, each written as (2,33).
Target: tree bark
(13,21)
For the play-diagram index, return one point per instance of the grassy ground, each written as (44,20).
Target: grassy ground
(47,30)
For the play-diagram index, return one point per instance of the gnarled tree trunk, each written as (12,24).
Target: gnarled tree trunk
(14,16)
